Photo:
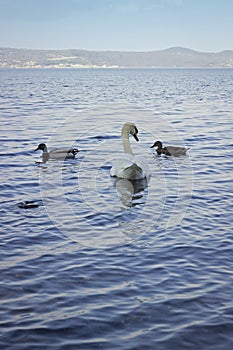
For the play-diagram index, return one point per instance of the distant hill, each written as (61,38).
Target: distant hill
(176,57)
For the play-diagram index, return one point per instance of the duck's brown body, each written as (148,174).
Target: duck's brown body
(169,150)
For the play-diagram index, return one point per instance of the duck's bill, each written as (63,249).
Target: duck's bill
(36,149)
(152,146)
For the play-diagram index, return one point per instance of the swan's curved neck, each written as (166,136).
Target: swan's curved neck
(125,141)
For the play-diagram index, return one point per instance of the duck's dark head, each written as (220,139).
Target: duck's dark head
(157,144)
(41,146)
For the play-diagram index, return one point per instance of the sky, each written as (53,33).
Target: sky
(117,25)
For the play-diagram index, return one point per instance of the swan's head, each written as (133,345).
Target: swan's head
(130,129)
(41,146)
(157,144)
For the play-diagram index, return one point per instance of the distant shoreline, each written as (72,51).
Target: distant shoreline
(172,58)
(115,68)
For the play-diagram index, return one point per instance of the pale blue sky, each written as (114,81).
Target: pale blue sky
(133,25)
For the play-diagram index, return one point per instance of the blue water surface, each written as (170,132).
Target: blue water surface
(92,262)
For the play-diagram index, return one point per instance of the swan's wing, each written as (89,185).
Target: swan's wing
(126,170)
(119,165)
(130,167)
(142,163)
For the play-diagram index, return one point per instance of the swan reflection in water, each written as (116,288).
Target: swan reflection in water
(131,191)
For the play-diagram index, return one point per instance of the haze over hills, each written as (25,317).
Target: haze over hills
(176,57)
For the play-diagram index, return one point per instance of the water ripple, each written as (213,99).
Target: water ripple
(82,264)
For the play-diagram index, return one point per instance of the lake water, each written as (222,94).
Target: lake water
(91,262)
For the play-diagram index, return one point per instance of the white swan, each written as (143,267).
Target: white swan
(129,166)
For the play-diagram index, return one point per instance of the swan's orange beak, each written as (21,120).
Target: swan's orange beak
(136,136)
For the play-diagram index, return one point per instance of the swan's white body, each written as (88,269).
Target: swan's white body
(129,166)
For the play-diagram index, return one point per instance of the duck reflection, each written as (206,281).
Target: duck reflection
(131,191)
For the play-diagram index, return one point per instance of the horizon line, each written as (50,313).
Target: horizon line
(111,50)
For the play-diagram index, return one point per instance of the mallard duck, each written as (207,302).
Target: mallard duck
(169,150)
(56,153)
(128,166)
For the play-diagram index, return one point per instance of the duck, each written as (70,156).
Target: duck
(169,150)
(129,166)
(56,153)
